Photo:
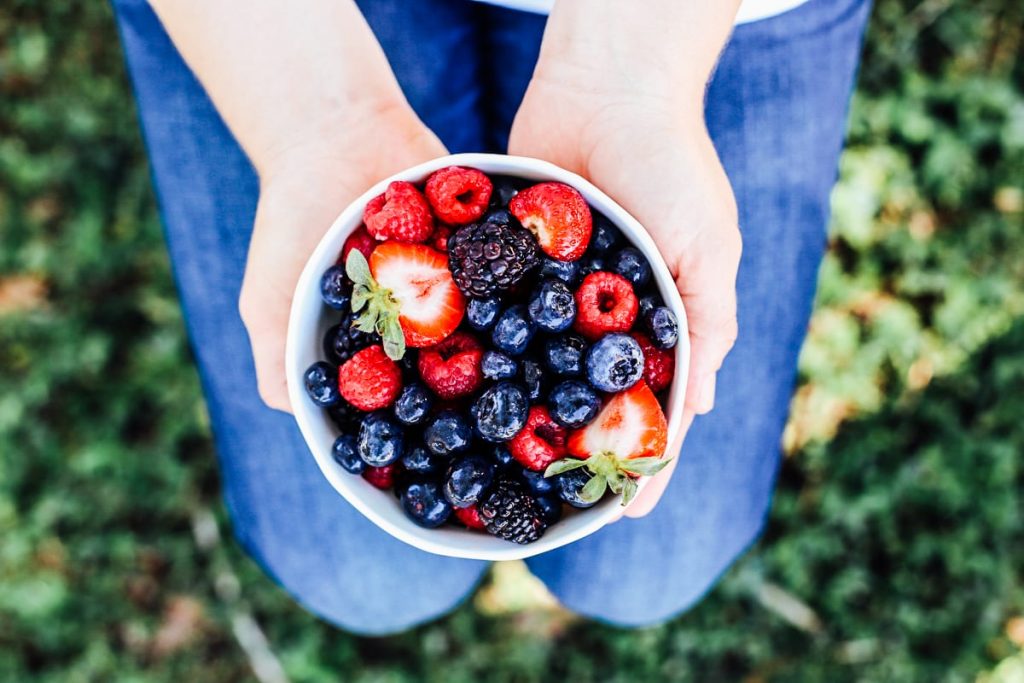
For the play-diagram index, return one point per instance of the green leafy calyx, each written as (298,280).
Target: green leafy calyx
(378,306)
(609,471)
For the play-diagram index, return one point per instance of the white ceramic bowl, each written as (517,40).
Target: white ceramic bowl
(310,320)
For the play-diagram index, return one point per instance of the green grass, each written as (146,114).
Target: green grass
(896,543)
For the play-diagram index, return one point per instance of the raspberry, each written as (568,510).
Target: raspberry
(659,364)
(541,442)
(469,516)
(452,368)
(401,214)
(439,240)
(370,380)
(381,477)
(509,512)
(458,195)
(605,302)
(360,239)
(487,257)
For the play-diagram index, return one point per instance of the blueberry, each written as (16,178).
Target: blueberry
(661,323)
(481,313)
(334,288)
(615,363)
(533,378)
(418,460)
(448,434)
(380,439)
(573,404)
(513,331)
(321,380)
(566,271)
(632,265)
(604,235)
(505,189)
(552,306)
(647,304)
(500,412)
(537,482)
(592,264)
(503,457)
(424,503)
(467,480)
(570,485)
(550,508)
(346,416)
(564,355)
(502,216)
(413,404)
(496,365)
(346,454)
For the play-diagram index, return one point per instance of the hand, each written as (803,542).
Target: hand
(303,188)
(653,155)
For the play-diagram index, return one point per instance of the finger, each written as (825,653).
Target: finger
(647,499)
(707,284)
(266,333)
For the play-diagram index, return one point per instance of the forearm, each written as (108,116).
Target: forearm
(284,74)
(667,49)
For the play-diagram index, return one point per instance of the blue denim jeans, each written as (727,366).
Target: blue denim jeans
(776,110)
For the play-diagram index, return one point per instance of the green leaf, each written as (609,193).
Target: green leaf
(629,489)
(367,322)
(645,467)
(360,296)
(393,337)
(564,465)
(615,482)
(594,489)
(357,269)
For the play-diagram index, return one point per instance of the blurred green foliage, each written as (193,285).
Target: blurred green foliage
(896,544)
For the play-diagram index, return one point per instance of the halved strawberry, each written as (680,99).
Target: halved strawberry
(625,441)
(406,294)
(558,216)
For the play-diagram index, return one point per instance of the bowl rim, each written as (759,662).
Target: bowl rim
(306,413)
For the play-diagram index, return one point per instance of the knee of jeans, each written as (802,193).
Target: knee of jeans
(342,595)
(660,588)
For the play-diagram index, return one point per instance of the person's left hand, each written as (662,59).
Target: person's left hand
(653,155)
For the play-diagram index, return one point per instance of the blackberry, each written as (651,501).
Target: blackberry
(342,341)
(488,257)
(509,512)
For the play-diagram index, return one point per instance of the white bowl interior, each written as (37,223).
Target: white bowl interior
(310,319)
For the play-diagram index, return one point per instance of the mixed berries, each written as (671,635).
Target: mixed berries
(498,355)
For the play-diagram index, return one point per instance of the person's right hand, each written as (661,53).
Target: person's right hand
(303,188)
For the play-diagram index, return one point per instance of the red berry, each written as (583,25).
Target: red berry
(401,214)
(558,216)
(541,442)
(361,240)
(469,516)
(659,364)
(452,368)
(439,240)
(370,380)
(458,195)
(429,305)
(381,477)
(605,303)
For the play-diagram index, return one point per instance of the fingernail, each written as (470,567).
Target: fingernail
(706,397)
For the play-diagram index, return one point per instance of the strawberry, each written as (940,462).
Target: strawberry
(558,216)
(605,302)
(452,368)
(406,294)
(360,239)
(470,517)
(625,441)
(401,213)
(370,380)
(540,443)
(659,364)
(458,195)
